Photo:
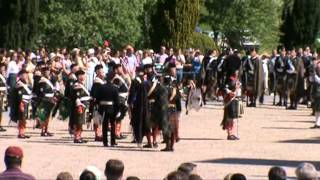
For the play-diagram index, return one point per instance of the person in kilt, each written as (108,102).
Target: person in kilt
(232,106)
(174,109)
(47,101)
(21,102)
(80,97)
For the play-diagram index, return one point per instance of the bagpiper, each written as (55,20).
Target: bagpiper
(47,101)
(156,107)
(22,101)
(122,82)
(232,106)
(3,93)
(80,98)
(72,78)
(174,109)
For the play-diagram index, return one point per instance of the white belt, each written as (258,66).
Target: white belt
(26,97)
(85,98)
(106,103)
(3,88)
(49,95)
(124,95)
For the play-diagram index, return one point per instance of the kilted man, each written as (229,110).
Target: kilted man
(232,106)
(99,80)
(47,101)
(122,82)
(107,98)
(3,93)
(72,78)
(316,96)
(22,101)
(157,106)
(295,74)
(174,108)
(253,77)
(80,97)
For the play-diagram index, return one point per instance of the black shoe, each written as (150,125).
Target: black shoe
(147,146)
(315,127)
(177,139)
(134,141)
(80,141)
(114,144)
(23,136)
(233,138)
(167,150)
(155,145)
(2,129)
(279,104)
(43,134)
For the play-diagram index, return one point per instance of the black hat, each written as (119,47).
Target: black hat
(98,67)
(23,71)
(80,72)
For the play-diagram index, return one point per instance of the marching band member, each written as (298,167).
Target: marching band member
(232,106)
(22,99)
(80,98)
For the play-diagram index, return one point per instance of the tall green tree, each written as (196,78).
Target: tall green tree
(241,20)
(174,22)
(19,23)
(301,22)
(86,23)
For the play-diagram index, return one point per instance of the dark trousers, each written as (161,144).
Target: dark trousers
(108,118)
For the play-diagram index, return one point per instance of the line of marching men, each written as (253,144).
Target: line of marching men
(153,103)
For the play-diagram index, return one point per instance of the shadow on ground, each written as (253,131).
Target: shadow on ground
(258,162)
(315,140)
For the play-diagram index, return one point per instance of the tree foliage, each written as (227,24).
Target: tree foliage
(19,23)
(86,23)
(238,20)
(174,22)
(301,22)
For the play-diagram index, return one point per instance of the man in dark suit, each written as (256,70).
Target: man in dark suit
(107,98)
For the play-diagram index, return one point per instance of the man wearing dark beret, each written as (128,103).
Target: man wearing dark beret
(19,111)
(13,160)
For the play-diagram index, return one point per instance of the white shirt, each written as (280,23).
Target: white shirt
(13,68)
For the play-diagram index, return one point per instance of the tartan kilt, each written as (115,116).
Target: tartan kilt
(233,109)
(44,109)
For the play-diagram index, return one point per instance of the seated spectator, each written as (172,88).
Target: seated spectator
(177,175)
(194,177)
(114,169)
(13,160)
(238,176)
(306,171)
(91,173)
(188,168)
(64,176)
(132,178)
(277,173)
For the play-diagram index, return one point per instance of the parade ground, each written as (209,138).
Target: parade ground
(270,136)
